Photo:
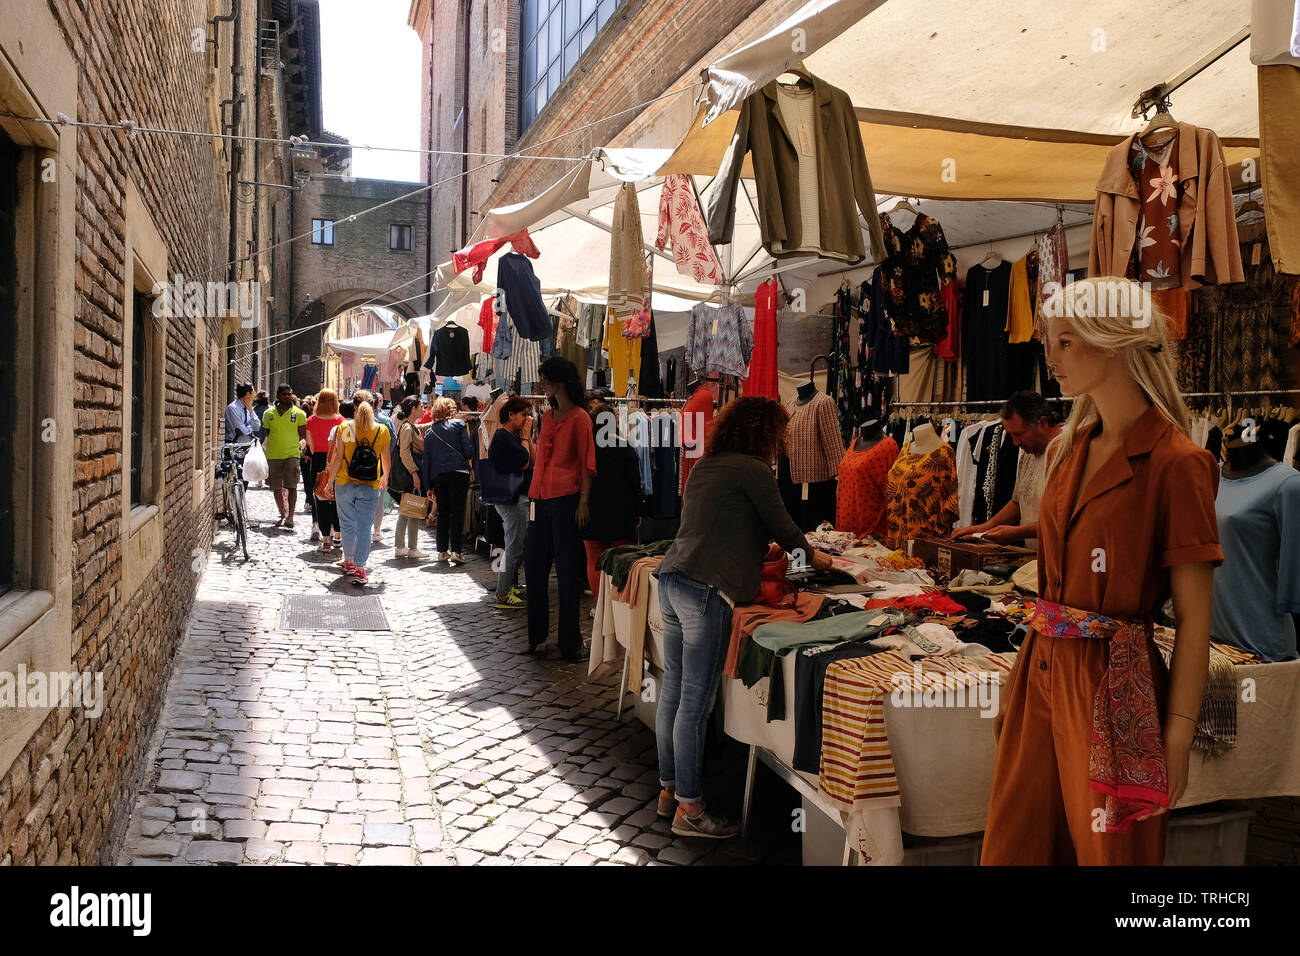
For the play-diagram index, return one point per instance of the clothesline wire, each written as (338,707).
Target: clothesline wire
(132,128)
(430,186)
(276,338)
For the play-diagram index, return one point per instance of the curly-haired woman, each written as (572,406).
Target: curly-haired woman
(731,510)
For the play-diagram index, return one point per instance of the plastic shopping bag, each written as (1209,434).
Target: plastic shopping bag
(255,466)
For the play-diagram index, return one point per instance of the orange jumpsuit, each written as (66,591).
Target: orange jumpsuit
(1149,507)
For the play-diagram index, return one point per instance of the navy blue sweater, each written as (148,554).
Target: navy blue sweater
(446,448)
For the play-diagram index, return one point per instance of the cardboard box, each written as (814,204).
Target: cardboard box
(945,558)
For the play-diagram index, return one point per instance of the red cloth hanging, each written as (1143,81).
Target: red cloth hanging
(478,254)
(487,321)
(949,347)
(762,363)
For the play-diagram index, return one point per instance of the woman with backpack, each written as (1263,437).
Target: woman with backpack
(359,466)
(445,473)
(406,478)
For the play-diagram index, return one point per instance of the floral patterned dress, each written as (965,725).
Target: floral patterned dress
(913,274)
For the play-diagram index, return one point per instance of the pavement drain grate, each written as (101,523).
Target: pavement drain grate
(326,612)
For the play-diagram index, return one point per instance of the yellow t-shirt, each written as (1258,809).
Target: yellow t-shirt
(347,435)
(1022,305)
(624,354)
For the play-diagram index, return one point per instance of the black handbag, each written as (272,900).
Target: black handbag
(399,479)
(497,487)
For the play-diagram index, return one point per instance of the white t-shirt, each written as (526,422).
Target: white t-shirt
(1028,493)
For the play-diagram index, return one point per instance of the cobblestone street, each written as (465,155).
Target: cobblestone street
(435,743)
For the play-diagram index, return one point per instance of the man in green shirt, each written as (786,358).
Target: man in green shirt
(286,425)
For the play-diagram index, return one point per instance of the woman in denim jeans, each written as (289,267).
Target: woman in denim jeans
(511,453)
(731,510)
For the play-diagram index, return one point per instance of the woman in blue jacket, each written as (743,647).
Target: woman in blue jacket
(444,470)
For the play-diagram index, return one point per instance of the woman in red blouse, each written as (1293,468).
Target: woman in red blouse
(560,492)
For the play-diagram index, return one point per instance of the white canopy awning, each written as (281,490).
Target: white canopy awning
(997,99)
(376,344)
(1014,104)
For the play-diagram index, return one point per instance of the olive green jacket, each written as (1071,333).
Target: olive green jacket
(844,182)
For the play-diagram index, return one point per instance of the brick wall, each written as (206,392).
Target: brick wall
(66,794)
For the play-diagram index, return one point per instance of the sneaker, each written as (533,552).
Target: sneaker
(416,553)
(315,534)
(376,539)
(510,602)
(326,546)
(519,595)
(343,564)
(358,576)
(706,825)
(401,552)
(667,805)
(454,559)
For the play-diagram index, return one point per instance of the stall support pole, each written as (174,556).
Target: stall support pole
(751,768)
(622,687)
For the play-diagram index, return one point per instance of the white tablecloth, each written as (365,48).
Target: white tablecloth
(612,624)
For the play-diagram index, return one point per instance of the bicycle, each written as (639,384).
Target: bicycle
(230,475)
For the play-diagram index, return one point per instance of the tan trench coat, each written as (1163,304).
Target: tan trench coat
(1207,224)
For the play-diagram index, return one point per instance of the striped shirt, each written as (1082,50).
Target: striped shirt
(857,766)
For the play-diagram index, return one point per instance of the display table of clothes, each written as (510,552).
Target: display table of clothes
(850,704)
(841,690)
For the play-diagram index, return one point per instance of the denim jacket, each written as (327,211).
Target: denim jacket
(447,448)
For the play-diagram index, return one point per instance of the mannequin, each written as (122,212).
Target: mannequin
(697,417)
(924,439)
(808,390)
(1245,458)
(807,473)
(921,490)
(869,433)
(1257,588)
(863,477)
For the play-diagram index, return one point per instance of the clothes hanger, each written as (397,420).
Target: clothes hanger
(801,74)
(991,254)
(1162,120)
(905,205)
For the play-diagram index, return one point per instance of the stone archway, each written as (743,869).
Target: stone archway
(301,355)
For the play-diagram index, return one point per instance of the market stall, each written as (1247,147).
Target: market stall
(951,196)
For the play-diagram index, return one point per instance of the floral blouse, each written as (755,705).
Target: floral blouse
(913,273)
(921,495)
(682,226)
